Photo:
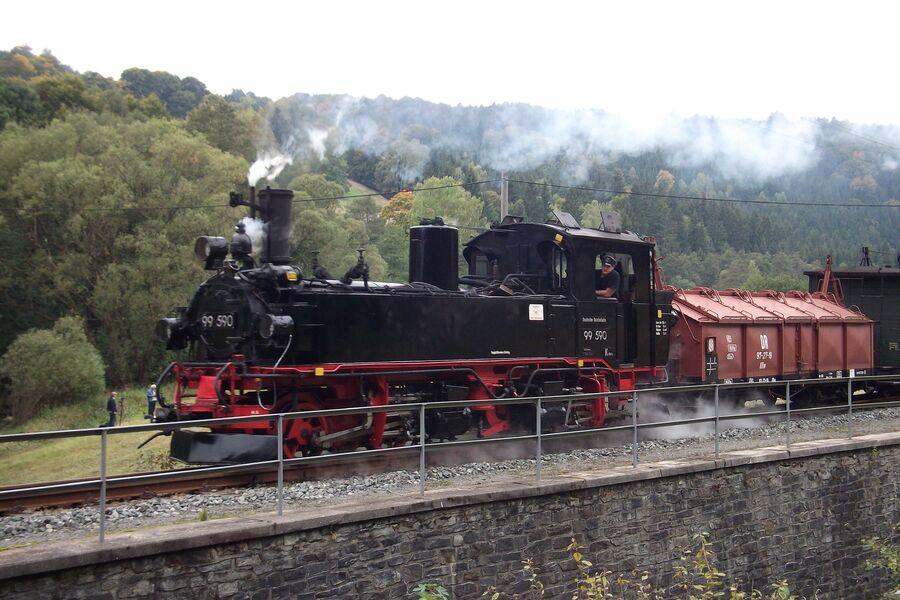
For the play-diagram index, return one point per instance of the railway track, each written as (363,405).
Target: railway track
(58,494)
(76,492)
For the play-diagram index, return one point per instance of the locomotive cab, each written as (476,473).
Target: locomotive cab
(562,260)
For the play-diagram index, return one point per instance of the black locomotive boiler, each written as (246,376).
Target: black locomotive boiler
(265,338)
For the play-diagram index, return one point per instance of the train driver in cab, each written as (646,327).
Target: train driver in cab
(607,282)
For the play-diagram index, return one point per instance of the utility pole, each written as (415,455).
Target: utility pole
(504,195)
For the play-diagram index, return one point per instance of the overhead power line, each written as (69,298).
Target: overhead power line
(703,198)
(865,136)
(428,189)
(472,184)
(226,205)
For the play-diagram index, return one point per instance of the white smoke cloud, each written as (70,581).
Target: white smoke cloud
(317,139)
(268,164)
(517,136)
(256,229)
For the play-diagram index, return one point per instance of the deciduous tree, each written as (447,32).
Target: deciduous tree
(50,367)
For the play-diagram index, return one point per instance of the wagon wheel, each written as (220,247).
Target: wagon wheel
(805,398)
(301,435)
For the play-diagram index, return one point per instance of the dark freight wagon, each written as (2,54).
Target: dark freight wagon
(876,292)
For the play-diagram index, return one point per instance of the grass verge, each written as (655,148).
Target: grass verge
(79,457)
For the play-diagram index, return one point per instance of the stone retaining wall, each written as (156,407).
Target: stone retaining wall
(771,515)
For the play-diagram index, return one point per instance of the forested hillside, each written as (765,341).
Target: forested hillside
(105,184)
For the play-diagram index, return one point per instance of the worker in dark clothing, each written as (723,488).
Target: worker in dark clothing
(111,409)
(607,284)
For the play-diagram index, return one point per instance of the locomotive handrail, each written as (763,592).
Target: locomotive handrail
(286,374)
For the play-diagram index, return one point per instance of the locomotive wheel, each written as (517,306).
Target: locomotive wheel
(301,435)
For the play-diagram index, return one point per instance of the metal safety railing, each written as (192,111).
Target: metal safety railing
(538,437)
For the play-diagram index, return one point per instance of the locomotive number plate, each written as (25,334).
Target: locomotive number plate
(217,321)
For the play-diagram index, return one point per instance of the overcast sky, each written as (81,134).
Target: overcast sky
(720,58)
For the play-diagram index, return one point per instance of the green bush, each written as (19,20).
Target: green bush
(51,367)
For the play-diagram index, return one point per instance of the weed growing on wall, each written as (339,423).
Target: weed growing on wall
(697,578)
(431,591)
(887,557)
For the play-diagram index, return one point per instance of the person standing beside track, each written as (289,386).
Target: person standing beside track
(111,408)
(151,401)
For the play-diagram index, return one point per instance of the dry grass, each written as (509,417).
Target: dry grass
(78,457)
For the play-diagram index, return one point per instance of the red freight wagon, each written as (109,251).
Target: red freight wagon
(743,336)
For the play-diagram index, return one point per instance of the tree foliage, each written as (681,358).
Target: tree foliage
(22,63)
(61,93)
(19,103)
(96,232)
(51,367)
(226,126)
(322,226)
(444,197)
(180,96)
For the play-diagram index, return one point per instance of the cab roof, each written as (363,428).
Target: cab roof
(571,235)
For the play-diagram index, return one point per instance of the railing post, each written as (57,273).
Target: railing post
(537,458)
(849,408)
(280,465)
(787,403)
(102,486)
(634,440)
(422,451)
(717,420)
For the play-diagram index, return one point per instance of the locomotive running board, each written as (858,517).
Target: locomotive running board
(203,448)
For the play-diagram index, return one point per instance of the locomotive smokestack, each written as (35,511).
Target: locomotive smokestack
(275,210)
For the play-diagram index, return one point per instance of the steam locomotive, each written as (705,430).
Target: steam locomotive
(523,321)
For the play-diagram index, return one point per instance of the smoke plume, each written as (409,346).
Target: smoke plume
(268,164)
(517,136)
(256,229)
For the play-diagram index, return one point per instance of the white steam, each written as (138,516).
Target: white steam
(517,136)
(656,408)
(268,164)
(256,229)
(406,134)
(317,139)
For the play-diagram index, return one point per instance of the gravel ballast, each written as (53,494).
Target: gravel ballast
(48,525)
